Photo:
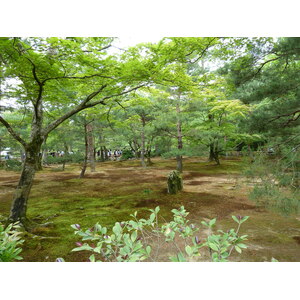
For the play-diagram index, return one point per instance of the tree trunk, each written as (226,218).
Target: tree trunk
(91,148)
(149,162)
(179,140)
(214,153)
(211,152)
(20,199)
(83,169)
(38,163)
(102,154)
(143,143)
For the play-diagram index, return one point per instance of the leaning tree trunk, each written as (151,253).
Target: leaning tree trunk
(20,199)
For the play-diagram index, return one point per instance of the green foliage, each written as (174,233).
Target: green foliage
(10,240)
(126,154)
(135,240)
(67,158)
(12,165)
(276,181)
(122,245)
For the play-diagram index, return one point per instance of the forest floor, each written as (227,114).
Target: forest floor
(119,188)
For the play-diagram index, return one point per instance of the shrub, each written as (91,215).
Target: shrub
(135,240)
(276,182)
(126,154)
(10,241)
(12,165)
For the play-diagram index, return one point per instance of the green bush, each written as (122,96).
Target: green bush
(10,241)
(12,165)
(77,157)
(141,239)
(276,181)
(126,154)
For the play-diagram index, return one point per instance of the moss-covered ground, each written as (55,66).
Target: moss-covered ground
(117,189)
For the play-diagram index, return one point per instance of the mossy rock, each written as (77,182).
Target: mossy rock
(174,182)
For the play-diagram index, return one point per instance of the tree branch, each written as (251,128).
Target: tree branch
(72,112)
(293,117)
(13,133)
(99,50)
(77,77)
(83,105)
(114,95)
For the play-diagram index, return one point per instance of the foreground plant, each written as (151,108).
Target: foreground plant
(141,239)
(10,240)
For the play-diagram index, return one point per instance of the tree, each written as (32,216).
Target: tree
(74,72)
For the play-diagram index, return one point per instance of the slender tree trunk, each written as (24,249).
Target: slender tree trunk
(143,143)
(83,169)
(102,156)
(179,140)
(149,162)
(136,148)
(211,152)
(91,148)
(105,156)
(45,157)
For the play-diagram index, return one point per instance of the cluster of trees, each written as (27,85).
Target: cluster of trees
(166,98)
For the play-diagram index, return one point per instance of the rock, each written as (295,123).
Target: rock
(174,182)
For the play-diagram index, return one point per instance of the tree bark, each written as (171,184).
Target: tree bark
(83,169)
(91,148)
(20,199)
(179,140)
(214,153)
(143,143)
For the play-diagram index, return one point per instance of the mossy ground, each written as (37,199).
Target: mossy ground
(117,189)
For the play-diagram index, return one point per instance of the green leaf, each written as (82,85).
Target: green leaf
(235,219)
(213,246)
(117,229)
(83,247)
(244,219)
(92,258)
(212,222)
(148,250)
(98,249)
(133,224)
(152,217)
(173,258)
(180,257)
(215,256)
(238,249)
(189,250)
(134,236)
